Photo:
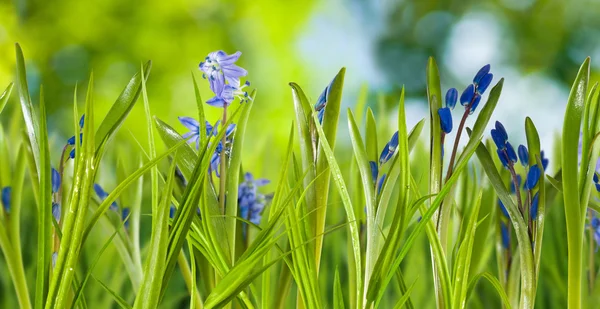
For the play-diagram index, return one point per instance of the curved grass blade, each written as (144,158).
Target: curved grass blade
(495,283)
(5,96)
(571,187)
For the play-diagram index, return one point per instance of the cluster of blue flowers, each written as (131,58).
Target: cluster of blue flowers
(508,157)
(470,98)
(251,203)
(386,154)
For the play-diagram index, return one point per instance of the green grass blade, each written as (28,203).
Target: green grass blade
(5,96)
(233,177)
(495,283)
(571,186)
(338,296)
(118,299)
(119,111)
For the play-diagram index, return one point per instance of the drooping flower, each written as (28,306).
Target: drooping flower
(374,170)
(380,183)
(533,176)
(102,195)
(193,136)
(451,98)
(218,65)
(467,95)
(6,198)
(215,159)
(224,78)
(389,149)
(445,119)
(510,151)
(172,211)
(523,155)
(55,181)
(56,211)
(250,202)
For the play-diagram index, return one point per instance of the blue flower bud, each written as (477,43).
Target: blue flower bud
(595,222)
(598,187)
(71,141)
(451,98)
(534,206)
(380,184)
(81,121)
(503,209)
(595,177)
(502,156)
(510,151)
(523,155)
(6,198)
(172,211)
(72,154)
(476,101)
(467,95)
(389,149)
(445,119)
(320,115)
(54,258)
(374,170)
(544,161)
(498,139)
(501,130)
(481,73)
(485,83)
(56,211)
(125,216)
(532,177)
(505,235)
(55,180)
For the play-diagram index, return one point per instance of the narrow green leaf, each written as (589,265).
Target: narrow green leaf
(495,283)
(5,96)
(338,296)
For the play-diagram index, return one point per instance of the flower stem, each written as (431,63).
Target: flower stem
(457,140)
(223,178)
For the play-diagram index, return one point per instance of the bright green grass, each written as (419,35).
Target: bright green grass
(329,238)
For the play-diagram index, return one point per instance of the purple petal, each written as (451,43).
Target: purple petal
(217,82)
(225,59)
(261,182)
(189,123)
(216,102)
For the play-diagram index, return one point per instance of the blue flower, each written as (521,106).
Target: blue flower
(227,93)
(467,95)
(72,154)
(505,235)
(219,66)
(102,195)
(374,170)
(56,211)
(445,119)
(523,155)
(380,183)
(172,211)
(55,181)
(250,202)
(193,136)
(481,73)
(544,160)
(501,130)
(534,206)
(71,140)
(6,198)
(485,83)
(125,216)
(389,149)
(451,98)
(215,159)
(322,101)
(510,151)
(532,177)
(476,100)
(503,209)
(503,157)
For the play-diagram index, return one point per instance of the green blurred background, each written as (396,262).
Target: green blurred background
(536,45)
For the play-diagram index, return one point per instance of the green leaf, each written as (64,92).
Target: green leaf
(118,299)
(338,296)
(233,176)
(495,283)
(574,213)
(371,136)
(528,284)
(405,297)
(119,111)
